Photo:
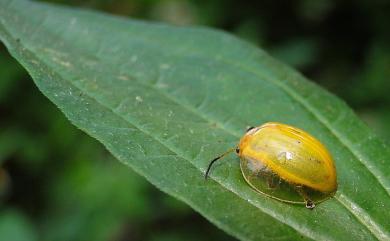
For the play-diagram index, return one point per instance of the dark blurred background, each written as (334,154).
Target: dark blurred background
(56,183)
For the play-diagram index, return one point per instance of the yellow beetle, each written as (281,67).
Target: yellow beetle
(300,164)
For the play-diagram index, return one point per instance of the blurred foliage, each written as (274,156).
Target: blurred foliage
(56,183)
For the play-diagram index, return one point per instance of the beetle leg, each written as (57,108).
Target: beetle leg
(269,177)
(272,183)
(309,203)
(260,174)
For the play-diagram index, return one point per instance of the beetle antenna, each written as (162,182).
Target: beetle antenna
(216,159)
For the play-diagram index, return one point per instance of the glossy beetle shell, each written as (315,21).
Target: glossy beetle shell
(292,154)
(285,163)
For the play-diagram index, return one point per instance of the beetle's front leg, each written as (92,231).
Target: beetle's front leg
(309,203)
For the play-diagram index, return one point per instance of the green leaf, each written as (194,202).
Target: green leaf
(165,100)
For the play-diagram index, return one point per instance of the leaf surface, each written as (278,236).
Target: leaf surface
(165,100)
